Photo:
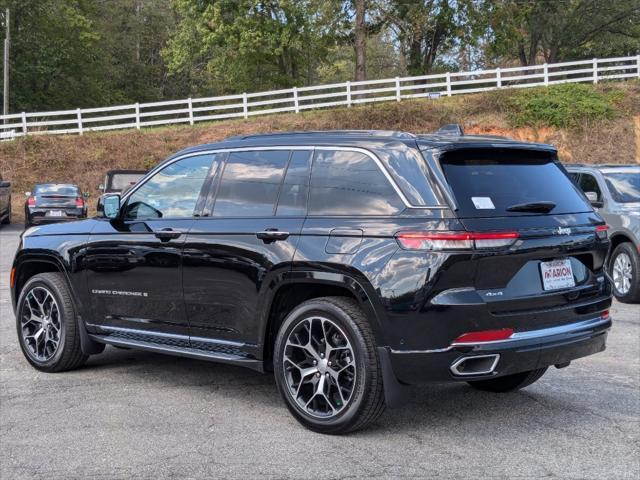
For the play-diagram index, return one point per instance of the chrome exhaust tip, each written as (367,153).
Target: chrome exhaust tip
(475,365)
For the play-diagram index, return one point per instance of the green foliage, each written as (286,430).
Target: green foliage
(230,46)
(555,30)
(562,106)
(88,53)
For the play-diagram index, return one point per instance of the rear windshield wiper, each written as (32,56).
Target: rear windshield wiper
(543,207)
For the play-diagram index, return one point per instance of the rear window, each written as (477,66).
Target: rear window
(624,186)
(62,190)
(503,182)
(122,181)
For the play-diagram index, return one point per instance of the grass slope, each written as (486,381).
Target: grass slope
(588,124)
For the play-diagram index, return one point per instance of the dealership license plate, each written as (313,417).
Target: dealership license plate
(557,274)
(55,213)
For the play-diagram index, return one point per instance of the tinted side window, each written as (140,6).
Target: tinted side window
(588,183)
(295,188)
(250,183)
(172,192)
(350,183)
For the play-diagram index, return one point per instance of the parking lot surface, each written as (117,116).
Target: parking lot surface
(130,414)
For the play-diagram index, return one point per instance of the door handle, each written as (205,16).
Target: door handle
(271,235)
(167,234)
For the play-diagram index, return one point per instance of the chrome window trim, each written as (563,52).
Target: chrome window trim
(313,148)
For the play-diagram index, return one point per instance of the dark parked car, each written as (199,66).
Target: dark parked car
(349,263)
(615,192)
(5,201)
(54,202)
(118,181)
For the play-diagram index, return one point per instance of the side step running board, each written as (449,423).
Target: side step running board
(181,351)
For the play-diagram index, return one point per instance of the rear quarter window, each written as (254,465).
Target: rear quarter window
(350,183)
(486,183)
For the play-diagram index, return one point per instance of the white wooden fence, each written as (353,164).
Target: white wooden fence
(244,105)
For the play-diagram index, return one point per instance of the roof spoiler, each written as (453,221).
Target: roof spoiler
(452,129)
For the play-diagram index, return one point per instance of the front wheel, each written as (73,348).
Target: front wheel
(624,269)
(47,325)
(327,368)
(508,383)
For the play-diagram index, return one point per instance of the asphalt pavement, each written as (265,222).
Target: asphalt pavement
(131,414)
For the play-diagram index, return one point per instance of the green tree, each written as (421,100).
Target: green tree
(56,58)
(558,30)
(133,34)
(226,46)
(427,28)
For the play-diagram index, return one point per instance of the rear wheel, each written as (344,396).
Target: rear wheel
(7,219)
(624,269)
(508,383)
(326,366)
(47,325)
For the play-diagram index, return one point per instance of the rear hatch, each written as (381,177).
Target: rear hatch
(57,197)
(549,266)
(55,201)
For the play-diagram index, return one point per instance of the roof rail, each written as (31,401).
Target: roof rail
(378,133)
(452,129)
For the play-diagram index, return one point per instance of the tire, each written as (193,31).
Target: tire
(7,220)
(508,383)
(625,257)
(60,322)
(360,401)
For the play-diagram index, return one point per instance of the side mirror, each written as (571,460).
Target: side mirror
(4,184)
(101,187)
(27,194)
(111,206)
(593,199)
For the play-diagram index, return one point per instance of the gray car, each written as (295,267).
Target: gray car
(614,190)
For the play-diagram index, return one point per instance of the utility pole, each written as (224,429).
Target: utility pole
(7,42)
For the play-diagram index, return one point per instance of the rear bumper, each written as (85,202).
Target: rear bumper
(39,217)
(522,352)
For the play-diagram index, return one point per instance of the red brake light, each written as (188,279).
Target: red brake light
(484,336)
(79,202)
(454,240)
(604,315)
(31,201)
(602,231)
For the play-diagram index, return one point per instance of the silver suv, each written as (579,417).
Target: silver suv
(614,190)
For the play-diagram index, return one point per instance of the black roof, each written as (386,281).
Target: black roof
(368,139)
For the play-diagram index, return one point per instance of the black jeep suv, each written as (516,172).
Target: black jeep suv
(349,263)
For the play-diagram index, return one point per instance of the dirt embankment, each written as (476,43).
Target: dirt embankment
(85,159)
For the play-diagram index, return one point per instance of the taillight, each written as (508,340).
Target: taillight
(484,336)
(31,201)
(454,240)
(602,231)
(79,202)
(604,315)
